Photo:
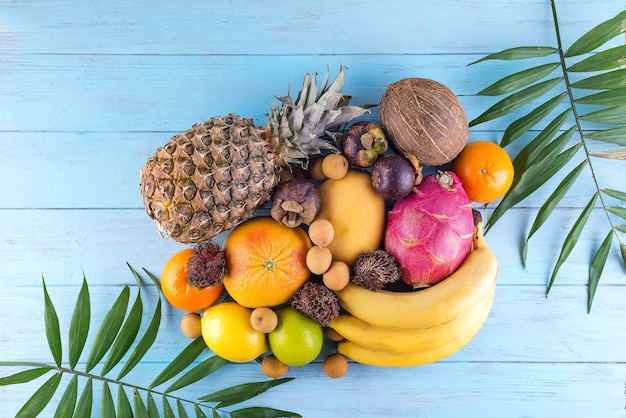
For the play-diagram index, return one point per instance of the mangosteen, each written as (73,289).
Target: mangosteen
(393,176)
(363,143)
(294,202)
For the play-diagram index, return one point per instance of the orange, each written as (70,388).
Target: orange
(265,262)
(485,169)
(227,331)
(180,293)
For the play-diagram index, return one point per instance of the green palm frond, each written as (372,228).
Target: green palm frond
(596,69)
(117,338)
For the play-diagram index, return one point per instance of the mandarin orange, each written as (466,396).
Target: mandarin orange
(485,169)
(178,291)
(265,262)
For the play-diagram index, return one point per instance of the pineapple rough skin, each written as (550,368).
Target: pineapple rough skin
(209,179)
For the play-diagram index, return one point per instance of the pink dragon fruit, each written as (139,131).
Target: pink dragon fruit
(429,232)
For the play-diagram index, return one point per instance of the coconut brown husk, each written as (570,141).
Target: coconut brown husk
(424,118)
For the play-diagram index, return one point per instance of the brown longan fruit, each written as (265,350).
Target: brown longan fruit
(263,319)
(335,166)
(191,325)
(318,259)
(272,367)
(321,232)
(337,276)
(315,169)
(335,365)
(333,335)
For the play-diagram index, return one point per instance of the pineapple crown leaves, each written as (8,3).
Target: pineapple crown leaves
(546,154)
(117,338)
(304,127)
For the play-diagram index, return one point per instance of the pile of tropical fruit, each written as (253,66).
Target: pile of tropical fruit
(369,243)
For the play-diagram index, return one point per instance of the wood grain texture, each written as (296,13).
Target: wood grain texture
(88,90)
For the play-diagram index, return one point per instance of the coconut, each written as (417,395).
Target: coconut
(425,119)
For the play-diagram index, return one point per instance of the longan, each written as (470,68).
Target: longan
(333,335)
(315,169)
(321,232)
(335,365)
(337,276)
(272,367)
(318,259)
(191,325)
(263,319)
(335,166)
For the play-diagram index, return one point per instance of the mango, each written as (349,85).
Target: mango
(356,213)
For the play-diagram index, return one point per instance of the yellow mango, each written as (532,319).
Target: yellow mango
(356,212)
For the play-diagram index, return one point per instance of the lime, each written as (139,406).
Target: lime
(297,340)
(227,331)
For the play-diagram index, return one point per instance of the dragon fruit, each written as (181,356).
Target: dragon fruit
(429,232)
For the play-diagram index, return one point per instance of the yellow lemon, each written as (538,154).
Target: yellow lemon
(227,331)
(297,340)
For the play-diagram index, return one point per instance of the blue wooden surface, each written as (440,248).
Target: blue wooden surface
(88,90)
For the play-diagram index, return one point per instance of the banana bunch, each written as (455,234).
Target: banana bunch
(406,329)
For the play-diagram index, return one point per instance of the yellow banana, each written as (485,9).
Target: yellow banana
(436,305)
(384,358)
(411,340)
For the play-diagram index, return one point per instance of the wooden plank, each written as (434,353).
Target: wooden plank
(127,93)
(101,170)
(62,244)
(297,27)
(524,325)
(445,389)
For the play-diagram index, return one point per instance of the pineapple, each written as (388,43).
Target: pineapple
(219,173)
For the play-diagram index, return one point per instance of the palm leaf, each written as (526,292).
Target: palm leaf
(24,376)
(551,203)
(243,392)
(184,359)
(201,371)
(614,97)
(38,401)
(181,409)
(615,193)
(67,404)
(79,325)
(525,123)
(124,409)
(613,135)
(519,80)
(596,267)
(108,329)
(612,80)
(53,331)
(518,53)
(107,407)
(260,412)
(126,336)
(118,344)
(571,239)
(598,36)
(516,100)
(594,65)
(85,402)
(199,413)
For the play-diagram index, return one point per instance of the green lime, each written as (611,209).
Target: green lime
(298,339)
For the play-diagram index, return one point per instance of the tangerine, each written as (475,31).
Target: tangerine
(178,291)
(265,262)
(485,169)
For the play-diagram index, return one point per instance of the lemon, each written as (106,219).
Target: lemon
(297,340)
(227,331)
